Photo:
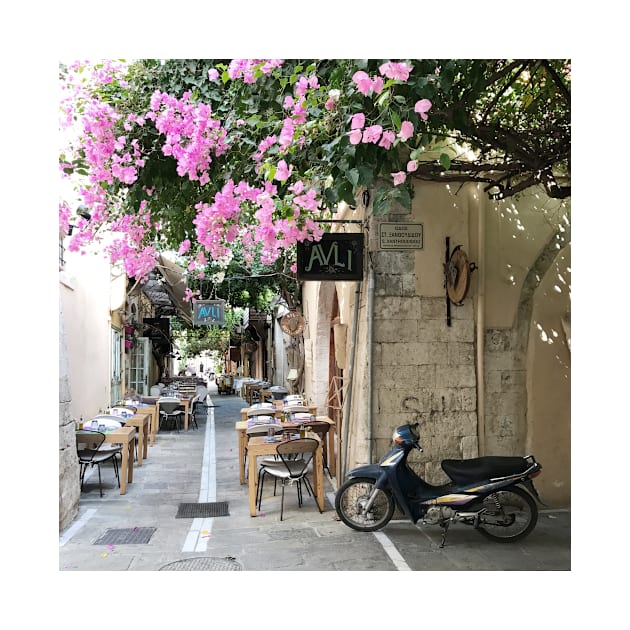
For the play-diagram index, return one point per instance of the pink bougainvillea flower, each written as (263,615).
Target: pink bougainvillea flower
(372,134)
(393,70)
(358,120)
(406,130)
(362,81)
(283,172)
(184,247)
(387,139)
(377,85)
(330,104)
(412,166)
(213,74)
(422,107)
(399,177)
(355,136)
(297,188)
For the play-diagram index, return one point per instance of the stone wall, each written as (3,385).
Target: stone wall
(424,370)
(506,393)
(69,488)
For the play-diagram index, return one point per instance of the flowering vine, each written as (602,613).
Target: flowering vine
(207,156)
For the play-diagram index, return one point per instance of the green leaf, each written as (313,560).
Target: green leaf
(383,98)
(353,176)
(395,119)
(345,192)
(365,176)
(445,161)
(331,196)
(382,203)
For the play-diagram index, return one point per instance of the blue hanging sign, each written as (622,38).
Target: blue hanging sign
(209,313)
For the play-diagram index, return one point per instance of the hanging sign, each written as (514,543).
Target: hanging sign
(401,235)
(335,257)
(209,313)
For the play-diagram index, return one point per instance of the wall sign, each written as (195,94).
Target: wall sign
(401,235)
(209,313)
(335,257)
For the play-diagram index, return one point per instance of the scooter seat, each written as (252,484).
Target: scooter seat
(464,471)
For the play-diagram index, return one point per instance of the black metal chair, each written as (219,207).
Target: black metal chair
(94,455)
(169,409)
(290,468)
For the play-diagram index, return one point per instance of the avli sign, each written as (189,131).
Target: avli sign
(335,257)
(209,312)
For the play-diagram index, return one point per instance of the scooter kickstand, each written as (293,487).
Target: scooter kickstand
(444,527)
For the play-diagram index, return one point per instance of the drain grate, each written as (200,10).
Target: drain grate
(202,510)
(132,536)
(203,564)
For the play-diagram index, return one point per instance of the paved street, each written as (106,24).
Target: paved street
(201,466)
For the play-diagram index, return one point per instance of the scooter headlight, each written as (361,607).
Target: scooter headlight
(405,435)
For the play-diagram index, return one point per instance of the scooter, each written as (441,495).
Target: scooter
(493,494)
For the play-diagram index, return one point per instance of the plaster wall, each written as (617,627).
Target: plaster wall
(84,287)
(549,372)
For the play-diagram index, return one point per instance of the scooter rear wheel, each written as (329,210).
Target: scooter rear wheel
(509,515)
(351,500)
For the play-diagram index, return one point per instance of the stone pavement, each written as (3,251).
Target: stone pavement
(202,466)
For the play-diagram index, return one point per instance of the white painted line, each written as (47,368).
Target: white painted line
(386,543)
(391,551)
(201,528)
(76,526)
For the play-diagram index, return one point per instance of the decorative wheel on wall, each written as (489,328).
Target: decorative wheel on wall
(292,324)
(458,271)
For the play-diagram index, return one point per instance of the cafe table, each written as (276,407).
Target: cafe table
(244,440)
(258,447)
(140,420)
(125,436)
(155,424)
(150,405)
(277,410)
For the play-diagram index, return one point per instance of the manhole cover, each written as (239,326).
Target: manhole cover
(202,510)
(203,564)
(132,536)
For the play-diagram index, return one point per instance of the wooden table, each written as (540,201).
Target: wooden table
(151,407)
(185,401)
(125,436)
(244,439)
(141,422)
(257,447)
(277,411)
(155,426)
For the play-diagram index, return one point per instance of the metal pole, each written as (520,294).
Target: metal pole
(348,400)
(370,317)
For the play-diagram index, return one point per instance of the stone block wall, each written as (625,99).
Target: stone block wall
(69,488)
(423,369)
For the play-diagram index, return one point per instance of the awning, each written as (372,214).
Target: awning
(167,295)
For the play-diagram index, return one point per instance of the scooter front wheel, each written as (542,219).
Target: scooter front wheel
(351,502)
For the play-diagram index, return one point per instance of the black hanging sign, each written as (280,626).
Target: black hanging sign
(335,257)
(209,313)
